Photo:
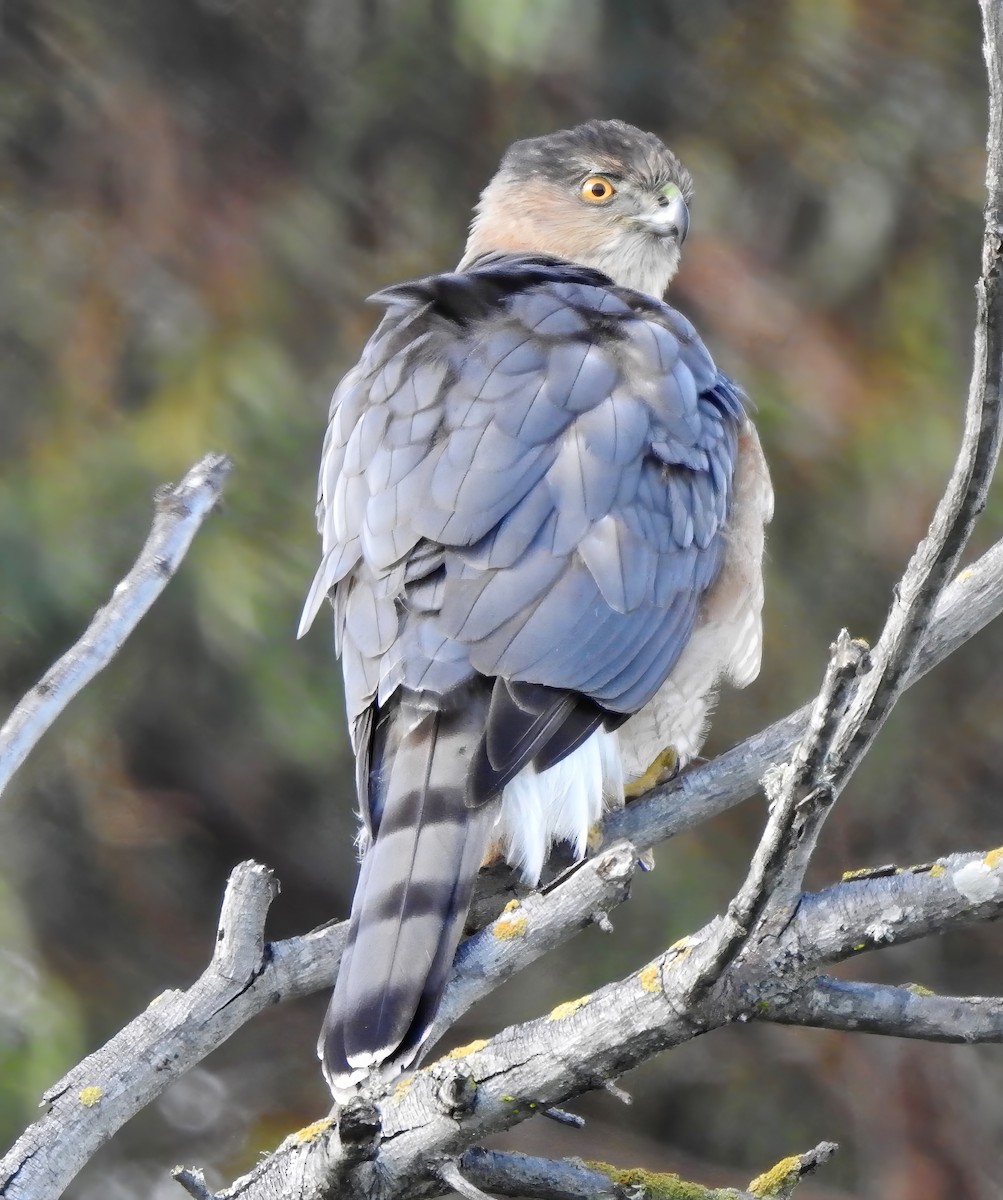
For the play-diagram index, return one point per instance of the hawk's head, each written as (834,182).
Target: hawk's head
(603,194)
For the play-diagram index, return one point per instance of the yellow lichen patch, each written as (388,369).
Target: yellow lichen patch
(680,949)
(309,1132)
(403,1085)
(964,576)
(507,928)
(469,1048)
(994,858)
(511,906)
(569,1007)
(778,1180)
(938,869)
(918,989)
(651,978)
(653,1185)
(871,873)
(595,837)
(90,1096)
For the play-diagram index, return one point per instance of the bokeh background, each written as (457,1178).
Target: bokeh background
(195,199)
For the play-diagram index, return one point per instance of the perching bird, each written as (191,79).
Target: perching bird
(542,512)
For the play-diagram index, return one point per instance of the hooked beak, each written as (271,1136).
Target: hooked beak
(670,219)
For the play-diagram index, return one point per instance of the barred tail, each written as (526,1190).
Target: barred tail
(412,897)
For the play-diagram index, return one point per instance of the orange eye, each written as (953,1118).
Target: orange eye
(597,189)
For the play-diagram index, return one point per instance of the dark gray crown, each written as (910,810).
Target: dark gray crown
(610,147)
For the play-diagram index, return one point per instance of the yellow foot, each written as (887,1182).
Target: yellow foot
(660,771)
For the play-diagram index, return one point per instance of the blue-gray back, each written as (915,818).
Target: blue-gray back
(527,476)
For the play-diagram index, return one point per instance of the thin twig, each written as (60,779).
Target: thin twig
(179,511)
(797,793)
(937,556)
(848,660)
(193,1181)
(781,1181)
(857,694)
(617,1092)
(563,1117)
(803,787)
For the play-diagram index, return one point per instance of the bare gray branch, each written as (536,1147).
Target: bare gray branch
(910,1012)
(179,511)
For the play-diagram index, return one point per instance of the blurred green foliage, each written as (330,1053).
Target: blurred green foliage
(195,199)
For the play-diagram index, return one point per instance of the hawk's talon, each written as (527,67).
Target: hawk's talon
(665,767)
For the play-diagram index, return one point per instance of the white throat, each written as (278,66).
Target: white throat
(639,263)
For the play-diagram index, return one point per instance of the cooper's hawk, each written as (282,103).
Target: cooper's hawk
(542,510)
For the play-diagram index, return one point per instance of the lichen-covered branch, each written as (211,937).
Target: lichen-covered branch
(489,1086)
(247,975)
(179,511)
(504,1173)
(507,1174)
(531,927)
(780,1182)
